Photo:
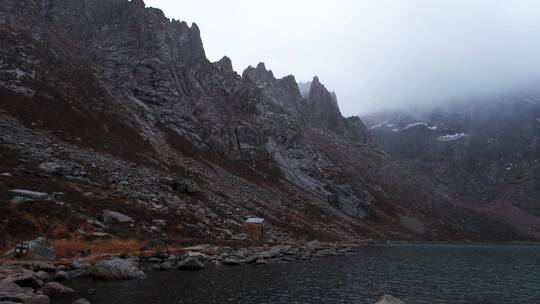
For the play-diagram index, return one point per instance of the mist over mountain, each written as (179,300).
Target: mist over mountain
(484,154)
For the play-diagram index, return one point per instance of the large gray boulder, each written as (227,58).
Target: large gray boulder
(190,264)
(117,269)
(110,217)
(56,290)
(165,266)
(232,261)
(61,276)
(388,299)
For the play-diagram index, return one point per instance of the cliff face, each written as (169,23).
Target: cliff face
(126,94)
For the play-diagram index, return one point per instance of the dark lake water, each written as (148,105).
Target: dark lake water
(486,274)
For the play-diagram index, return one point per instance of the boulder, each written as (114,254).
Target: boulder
(184,186)
(51,168)
(251,259)
(116,217)
(78,273)
(42,275)
(27,279)
(56,290)
(40,248)
(387,299)
(325,253)
(206,249)
(40,299)
(82,301)
(29,194)
(80,265)
(117,269)
(232,261)
(190,264)
(165,266)
(61,276)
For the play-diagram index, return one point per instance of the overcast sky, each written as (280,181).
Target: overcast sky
(377,54)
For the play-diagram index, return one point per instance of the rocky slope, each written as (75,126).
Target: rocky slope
(107,105)
(484,154)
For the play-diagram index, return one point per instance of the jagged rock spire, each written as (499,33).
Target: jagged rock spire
(324,105)
(259,74)
(225,63)
(138,3)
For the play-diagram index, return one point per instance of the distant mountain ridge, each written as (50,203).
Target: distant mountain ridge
(483,154)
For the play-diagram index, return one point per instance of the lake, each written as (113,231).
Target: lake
(414,273)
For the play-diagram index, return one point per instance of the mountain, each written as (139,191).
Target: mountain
(483,154)
(111,114)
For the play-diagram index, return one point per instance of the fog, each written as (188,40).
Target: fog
(378,54)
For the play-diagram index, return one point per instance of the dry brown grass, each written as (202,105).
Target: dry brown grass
(72,248)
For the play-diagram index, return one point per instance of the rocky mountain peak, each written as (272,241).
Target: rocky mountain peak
(260,75)
(138,3)
(324,104)
(225,64)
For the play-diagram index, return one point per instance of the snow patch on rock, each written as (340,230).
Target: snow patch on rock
(451,137)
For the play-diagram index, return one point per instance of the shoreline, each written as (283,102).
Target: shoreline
(32,281)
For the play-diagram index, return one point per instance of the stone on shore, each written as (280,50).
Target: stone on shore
(190,264)
(42,275)
(117,269)
(325,253)
(56,290)
(388,299)
(40,299)
(232,261)
(27,279)
(165,266)
(9,291)
(61,276)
